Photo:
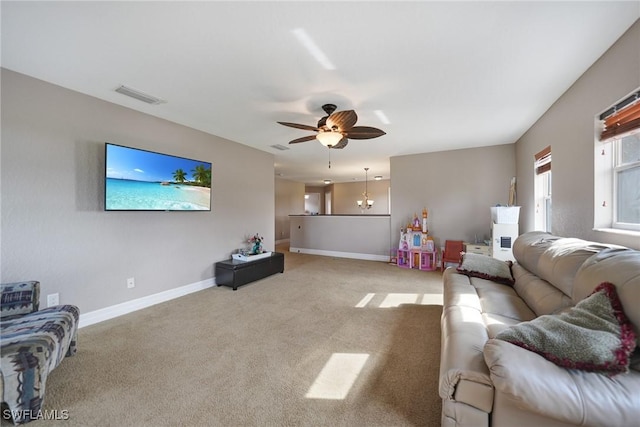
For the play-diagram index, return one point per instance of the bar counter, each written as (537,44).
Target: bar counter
(345,236)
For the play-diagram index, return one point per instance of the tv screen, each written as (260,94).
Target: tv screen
(140,180)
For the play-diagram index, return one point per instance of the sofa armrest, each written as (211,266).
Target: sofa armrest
(468,387)
(570,396)
(19,298)
(464,376)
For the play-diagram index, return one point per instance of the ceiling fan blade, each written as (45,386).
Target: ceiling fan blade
(343,143)
(343,120)
(303,139)
(299,126)
(364,132)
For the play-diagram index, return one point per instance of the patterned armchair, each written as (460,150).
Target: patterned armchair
(33,343)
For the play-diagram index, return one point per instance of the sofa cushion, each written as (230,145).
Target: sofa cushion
(485,267)
(497,323)
(529,247)
(458,292)
(620,267)
(540,295)
(595,335)
(495,298)
(569,396)
(562,259)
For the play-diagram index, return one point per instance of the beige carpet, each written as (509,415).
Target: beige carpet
(255,356)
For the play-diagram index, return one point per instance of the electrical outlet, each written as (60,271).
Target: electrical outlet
(53,299)
(131,282)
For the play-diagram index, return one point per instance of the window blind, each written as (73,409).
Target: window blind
(622,119)
(543,160)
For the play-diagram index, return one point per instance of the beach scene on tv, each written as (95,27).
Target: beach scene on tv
(144,180)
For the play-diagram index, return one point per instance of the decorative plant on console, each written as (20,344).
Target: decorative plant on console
(256,242)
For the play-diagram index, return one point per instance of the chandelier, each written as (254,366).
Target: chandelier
(366,203)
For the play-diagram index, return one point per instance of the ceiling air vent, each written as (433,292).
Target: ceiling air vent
(140,96)
(279,147)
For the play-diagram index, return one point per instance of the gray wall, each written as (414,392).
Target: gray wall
(289,201)
(457,187)
(54,228)
(351,236)
(346,194)
(568,126)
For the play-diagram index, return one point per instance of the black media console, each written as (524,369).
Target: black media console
(235,273)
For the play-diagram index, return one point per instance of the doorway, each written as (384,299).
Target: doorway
(312,203)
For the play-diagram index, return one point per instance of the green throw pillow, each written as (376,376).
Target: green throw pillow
(486,267)
(595,335)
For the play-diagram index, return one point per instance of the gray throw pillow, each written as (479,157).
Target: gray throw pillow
(485,267)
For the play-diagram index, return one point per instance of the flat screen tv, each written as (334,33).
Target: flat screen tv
(140,180)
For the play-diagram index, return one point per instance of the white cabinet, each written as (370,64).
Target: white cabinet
(474,248)
(502,238)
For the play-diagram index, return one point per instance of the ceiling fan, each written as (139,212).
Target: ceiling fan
(335,129)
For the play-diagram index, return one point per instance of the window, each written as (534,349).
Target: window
(617,167)
(627,182)
(542,189)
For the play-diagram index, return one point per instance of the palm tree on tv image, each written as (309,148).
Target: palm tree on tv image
(202,175)
(180,176)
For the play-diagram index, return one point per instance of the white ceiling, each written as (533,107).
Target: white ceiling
(448,75)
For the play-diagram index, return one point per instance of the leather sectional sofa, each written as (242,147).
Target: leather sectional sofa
(487,381)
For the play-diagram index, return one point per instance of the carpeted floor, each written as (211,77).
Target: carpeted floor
(331,342)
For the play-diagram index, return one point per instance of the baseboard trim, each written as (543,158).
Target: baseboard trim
(127,307)
(282,241)
(352,255)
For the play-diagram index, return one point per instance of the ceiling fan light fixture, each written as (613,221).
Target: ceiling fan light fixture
(335,129)
(329,138)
